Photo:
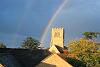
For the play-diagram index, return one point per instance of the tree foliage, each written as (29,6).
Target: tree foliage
(2,45)
(30,43)
(83,46)
(86,50)
(91,35)
(75,62)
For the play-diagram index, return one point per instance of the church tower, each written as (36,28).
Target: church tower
(57,39)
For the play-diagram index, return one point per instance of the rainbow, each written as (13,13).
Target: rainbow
(51,21)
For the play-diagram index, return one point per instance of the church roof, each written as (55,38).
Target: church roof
(10,57)
(21,57)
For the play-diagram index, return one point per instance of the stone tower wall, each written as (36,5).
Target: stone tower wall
(57,37)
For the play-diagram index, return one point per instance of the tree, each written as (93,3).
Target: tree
(91,35)
(75,62)
(85,50)
(30,43)
(2,45)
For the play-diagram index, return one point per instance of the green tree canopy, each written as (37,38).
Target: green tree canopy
(86,50)
(30,43)
(91,35)
(2,45)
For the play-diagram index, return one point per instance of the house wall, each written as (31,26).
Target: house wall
(54,61)
(53,49)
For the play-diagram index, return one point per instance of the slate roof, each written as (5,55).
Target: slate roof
(12,57)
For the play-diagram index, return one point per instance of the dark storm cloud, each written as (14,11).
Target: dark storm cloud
(14,12)
(22,18)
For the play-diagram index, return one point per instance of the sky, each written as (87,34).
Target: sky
(22,18)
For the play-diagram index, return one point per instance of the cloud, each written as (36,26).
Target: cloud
(22,18)
(13,13)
